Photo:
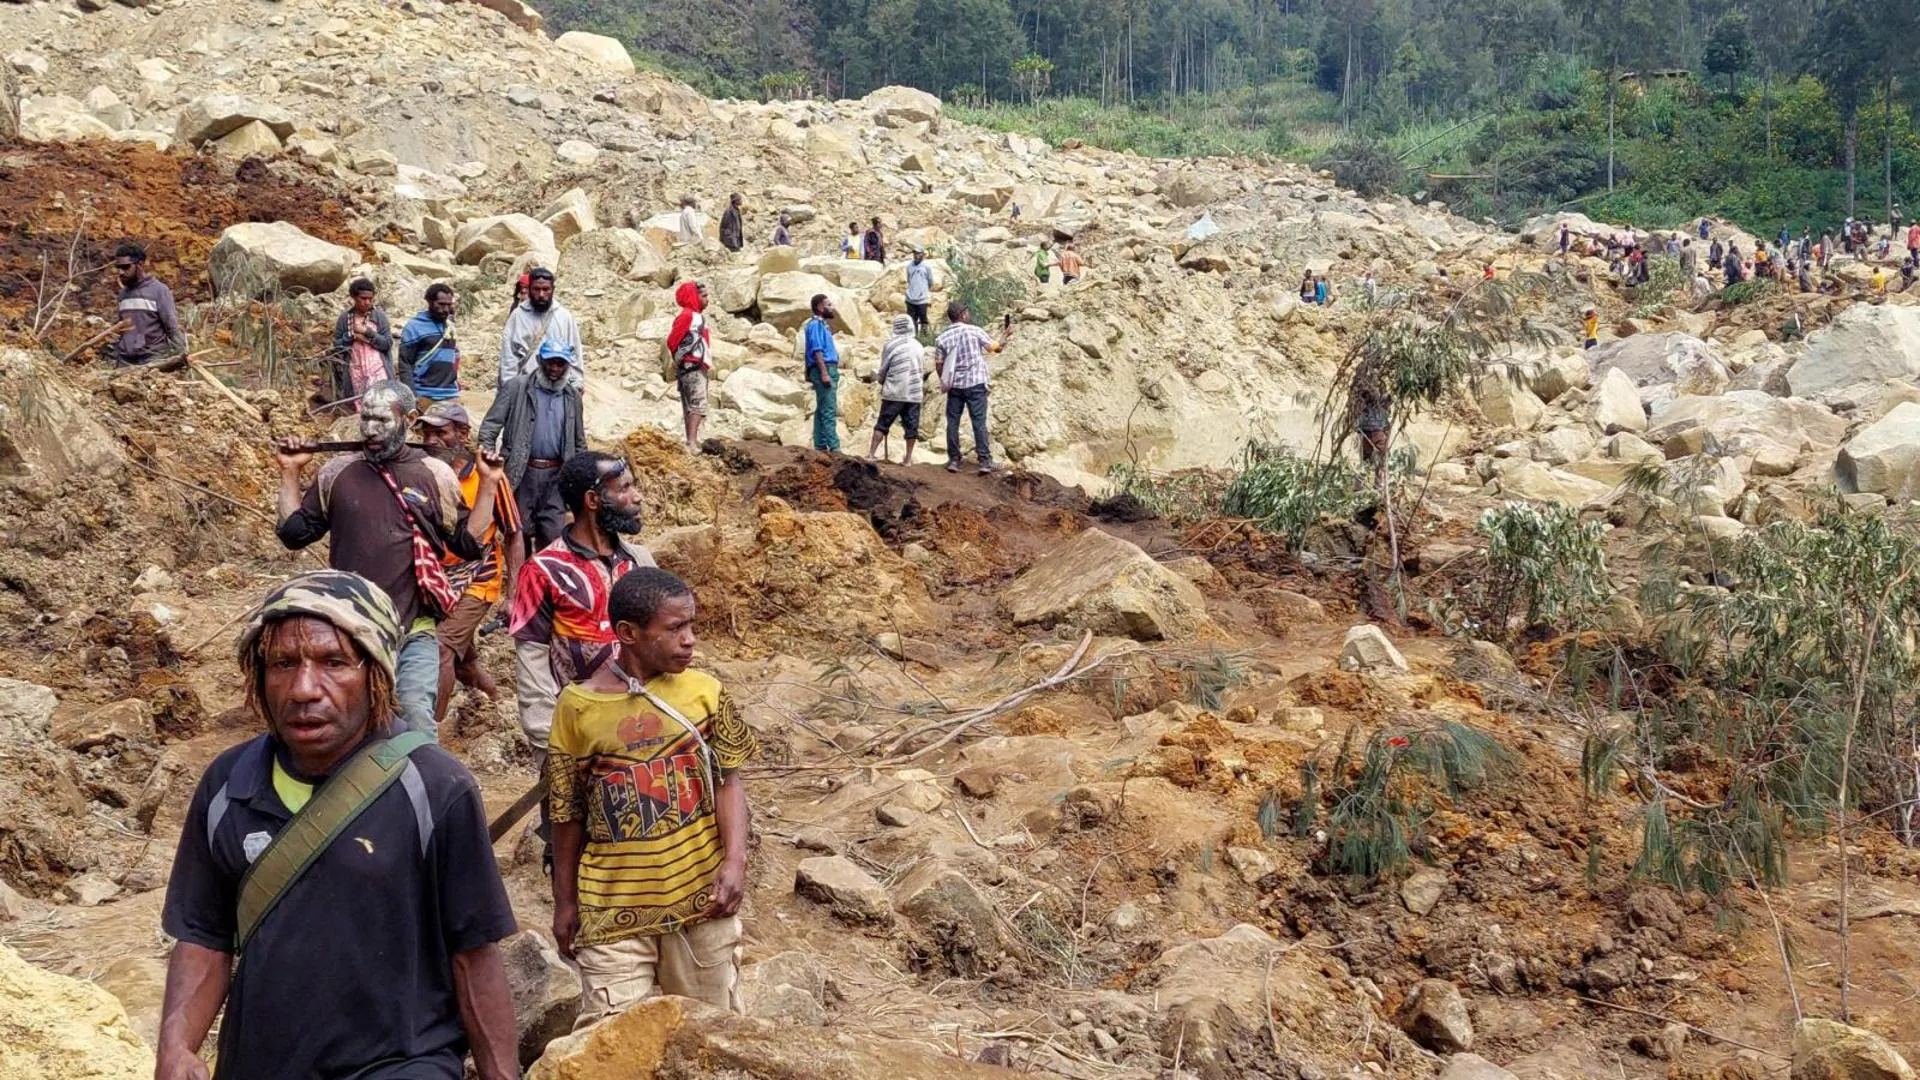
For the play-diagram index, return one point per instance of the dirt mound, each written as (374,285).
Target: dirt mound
(68,204)
(56,1028)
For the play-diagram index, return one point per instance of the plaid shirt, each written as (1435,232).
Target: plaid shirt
(965,347)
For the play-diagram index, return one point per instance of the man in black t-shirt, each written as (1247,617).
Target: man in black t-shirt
(378,962)
(373,531)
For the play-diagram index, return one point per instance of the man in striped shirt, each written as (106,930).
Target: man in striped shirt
(960,356)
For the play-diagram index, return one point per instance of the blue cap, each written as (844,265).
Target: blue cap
(560,349)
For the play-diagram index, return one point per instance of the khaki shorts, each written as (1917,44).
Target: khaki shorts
(693,391)
(459,629)
(700,960)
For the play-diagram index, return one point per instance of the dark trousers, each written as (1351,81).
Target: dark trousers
(543,515)
(973,399)
(918,313)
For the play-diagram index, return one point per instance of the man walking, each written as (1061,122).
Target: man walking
(1071,264)
(559,619)
(873,246)
(960,356)
(362,345)
(361,943)
(150,326)
(1566,239)
(537,422)
(537,321)
(823,374)
(902,388)
(429,360)
(689,232)
(1689,259)
(919,288)
(377,504)
(690,342)
(732,226)
(782,236)
(649,813)
(445,429)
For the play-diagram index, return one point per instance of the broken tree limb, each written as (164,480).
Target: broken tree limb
(956,726)
(214,381)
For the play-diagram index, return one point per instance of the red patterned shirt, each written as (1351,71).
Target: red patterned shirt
(560,599)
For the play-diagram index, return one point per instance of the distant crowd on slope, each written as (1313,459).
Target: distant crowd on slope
(1803,263)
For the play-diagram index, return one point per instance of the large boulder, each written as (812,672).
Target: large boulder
(832,145)
(767,399)
(1884,457)
(604,51)
(59,118)
(279,251)
(1558,374)
(844,888)
(1102,583)
(1505,401)
(989,191)
(517,12)
(1539,483)
(569,215)
(668,1037)
(1435,1016)
(785,302)
(252,139)
(53,1027)
(950,920)
(53,436)
(1746,422)
(215,115)
(1689,365)
(1367,649)
(1829,1050)
(734,291)
(898,106)
(511,235)
(1616,404)
(1867,343)
(545,992)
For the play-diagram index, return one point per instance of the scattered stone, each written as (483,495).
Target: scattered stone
(1305,719)
(1251,864)
(91,889)
(1829,1050)
(850,892)
(26,711)
(1367,649)
(1435,1016)
(1420,893)
(1464,1066)
(216,115)
(977,782)
(577,152)
(17,908)
(789,987)
(121,721)
(1125,918)
(895,817)
(1102,583)
(545,991)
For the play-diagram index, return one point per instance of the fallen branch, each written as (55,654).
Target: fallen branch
(1690,1027)
(228,499)
(94,340)
(221,629)
(214,381)
(956,726)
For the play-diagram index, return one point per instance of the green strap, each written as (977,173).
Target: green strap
(339,802)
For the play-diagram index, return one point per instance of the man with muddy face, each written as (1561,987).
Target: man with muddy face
(318,981)
(373,503)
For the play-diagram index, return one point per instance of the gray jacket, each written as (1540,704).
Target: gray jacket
(512,416)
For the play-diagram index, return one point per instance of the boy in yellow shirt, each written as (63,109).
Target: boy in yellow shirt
(1590,324)
(649,812)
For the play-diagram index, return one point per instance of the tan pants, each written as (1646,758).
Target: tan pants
(699,961)
(533,684)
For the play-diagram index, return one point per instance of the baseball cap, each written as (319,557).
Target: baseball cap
(442,413)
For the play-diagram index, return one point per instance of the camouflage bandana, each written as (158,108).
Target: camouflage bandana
(353,605)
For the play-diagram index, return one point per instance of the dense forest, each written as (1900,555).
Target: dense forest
(1775,112)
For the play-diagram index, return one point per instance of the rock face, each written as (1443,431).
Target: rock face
(280,251)
(58,437)
(1435,1016)
(59,118)
(1828,1050)
(546,992)
(1746,422)
(841,885)
(504,234)
(1884,456)
(604,51)
(1102,583)
(1686,363)
(56,1028)
(1866,344)
(216,115)
(668,1037)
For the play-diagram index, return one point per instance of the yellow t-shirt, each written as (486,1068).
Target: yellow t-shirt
(1592,325)
(635,777)
(293,793)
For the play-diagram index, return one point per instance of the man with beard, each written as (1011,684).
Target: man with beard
(534,323)
(348,928)
(374,503)
(559,617)
(151,324)
(536,425)
(444,429)
(429,355)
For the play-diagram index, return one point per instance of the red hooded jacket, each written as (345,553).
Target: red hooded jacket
(688,297)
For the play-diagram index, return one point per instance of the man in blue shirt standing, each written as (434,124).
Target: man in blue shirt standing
(919,289)
(429,357)
(823,374)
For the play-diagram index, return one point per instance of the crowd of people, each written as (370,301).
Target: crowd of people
(438,531)
(1802,264)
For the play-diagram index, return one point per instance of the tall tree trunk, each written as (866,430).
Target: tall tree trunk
(1766,105)
(1886,141)
(1613,94)
(1853,148)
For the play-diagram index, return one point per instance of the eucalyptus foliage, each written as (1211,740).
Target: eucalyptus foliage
(1544,561)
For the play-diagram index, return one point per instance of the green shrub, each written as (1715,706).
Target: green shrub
(1542,560)
(1287,494)
(1367,167)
